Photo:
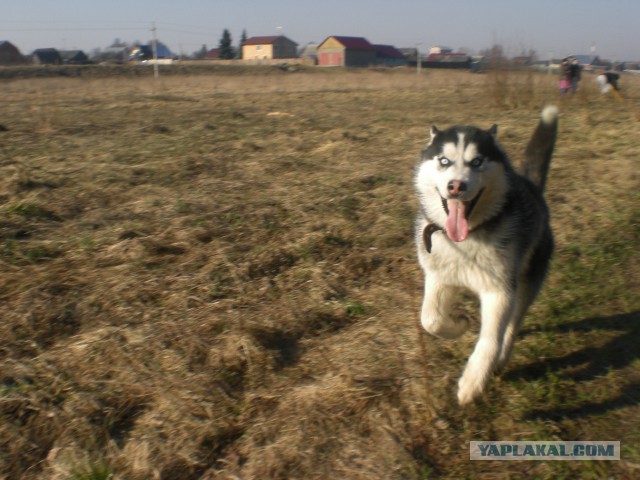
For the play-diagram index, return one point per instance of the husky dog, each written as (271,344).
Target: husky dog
(483,227)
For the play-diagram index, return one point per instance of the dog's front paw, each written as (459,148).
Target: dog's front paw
(447,329)
(500,366)
(469,389)
(458,327)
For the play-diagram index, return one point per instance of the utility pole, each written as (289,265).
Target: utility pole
(154,47)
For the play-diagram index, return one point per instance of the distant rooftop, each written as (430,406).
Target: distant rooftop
(354,43)
(388,51)
(265,40)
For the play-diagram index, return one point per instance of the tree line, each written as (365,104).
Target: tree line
(226,50)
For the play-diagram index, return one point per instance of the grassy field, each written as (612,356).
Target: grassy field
(214,276)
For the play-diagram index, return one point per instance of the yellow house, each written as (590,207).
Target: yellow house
(267,48)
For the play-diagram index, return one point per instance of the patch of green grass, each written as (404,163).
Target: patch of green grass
(348,207)
(100,470)
(8,388)
(355,308)
(16,253)
(587,275)
(222,283)
(87,243)
(630,452)
(26,210)
(38,253)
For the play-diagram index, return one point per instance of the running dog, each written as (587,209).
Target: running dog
(483,226)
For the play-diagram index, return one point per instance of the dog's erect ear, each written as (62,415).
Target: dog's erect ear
(434,132)
(493,130)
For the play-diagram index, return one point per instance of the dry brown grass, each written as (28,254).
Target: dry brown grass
(214,277)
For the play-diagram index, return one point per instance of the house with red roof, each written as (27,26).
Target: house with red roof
(389,56)
(212,54)
(270,47)
(342,51)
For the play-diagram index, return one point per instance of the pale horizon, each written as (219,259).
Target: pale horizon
(551,28)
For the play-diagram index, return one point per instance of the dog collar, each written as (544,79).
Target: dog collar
(429,230)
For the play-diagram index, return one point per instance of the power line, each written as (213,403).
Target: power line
(189,32)
(51,29)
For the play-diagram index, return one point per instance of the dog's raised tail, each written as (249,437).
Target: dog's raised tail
(538,154)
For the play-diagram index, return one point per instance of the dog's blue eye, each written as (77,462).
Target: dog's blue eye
(476,162)
(444,161)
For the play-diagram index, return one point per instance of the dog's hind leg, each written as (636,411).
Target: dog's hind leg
(497,309)
(507,344)
(436,310)
(528,288)
(524,300)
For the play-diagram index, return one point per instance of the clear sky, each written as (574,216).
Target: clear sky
(550,27)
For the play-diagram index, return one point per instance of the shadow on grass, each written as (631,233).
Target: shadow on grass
(590,362)
(629,396)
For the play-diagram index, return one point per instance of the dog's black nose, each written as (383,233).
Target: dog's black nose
(456,187)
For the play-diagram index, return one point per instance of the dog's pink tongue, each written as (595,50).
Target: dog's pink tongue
(457,226)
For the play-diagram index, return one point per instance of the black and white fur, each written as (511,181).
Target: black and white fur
(483,227)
